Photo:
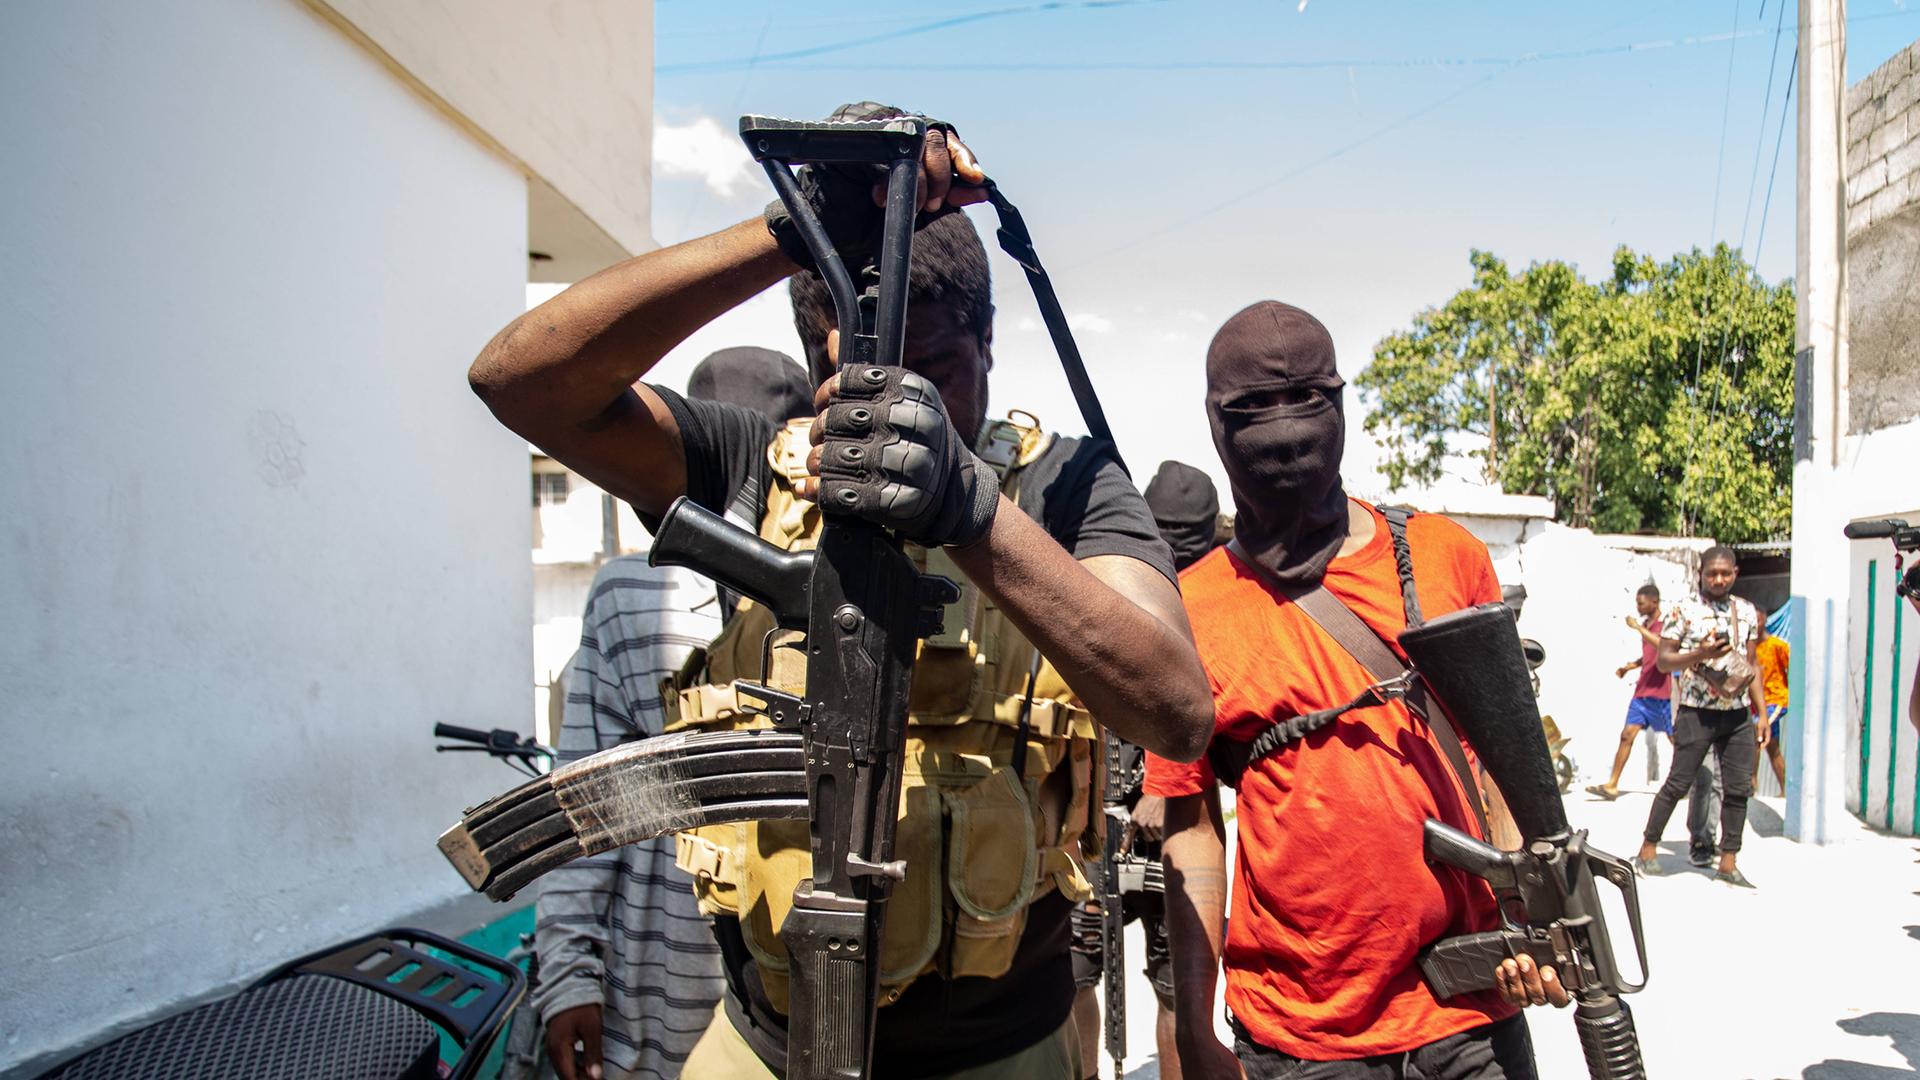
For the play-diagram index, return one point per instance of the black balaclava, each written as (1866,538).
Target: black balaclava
(1273,401)
(770,383)
(1185,508)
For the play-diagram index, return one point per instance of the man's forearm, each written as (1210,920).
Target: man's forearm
(561,365)
(1670,659)
(1117,636)
(1193,858)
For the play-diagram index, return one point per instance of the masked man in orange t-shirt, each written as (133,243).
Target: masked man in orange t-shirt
(1332,897)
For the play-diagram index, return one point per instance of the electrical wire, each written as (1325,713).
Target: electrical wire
(936,25)
(1766,103)
(1301,170)
(1726,108)
(783,62)
(1780,137)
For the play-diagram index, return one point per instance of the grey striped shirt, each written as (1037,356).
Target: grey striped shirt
(620,929)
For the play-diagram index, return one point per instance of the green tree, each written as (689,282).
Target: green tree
(1659,399)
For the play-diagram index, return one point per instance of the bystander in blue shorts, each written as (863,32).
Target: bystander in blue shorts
(1651,712)
(1775,714)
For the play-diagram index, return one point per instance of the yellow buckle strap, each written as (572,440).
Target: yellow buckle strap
(703,858)
(707,702)
(1059,865)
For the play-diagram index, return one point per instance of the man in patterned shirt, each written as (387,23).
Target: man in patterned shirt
(1708,641)
(629,971)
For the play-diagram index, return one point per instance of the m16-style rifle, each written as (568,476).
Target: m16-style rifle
(1473,667)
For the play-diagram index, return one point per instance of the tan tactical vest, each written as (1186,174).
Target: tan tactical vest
(979,846)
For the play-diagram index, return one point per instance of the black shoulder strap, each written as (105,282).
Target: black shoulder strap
(1397,517)
(1017,242)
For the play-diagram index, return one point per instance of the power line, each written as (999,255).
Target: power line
(1301,170)
(1780,136)
(782,61)
(1766,103)
(894,35)
(1726,107)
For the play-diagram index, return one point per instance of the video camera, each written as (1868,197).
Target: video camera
(1905,538)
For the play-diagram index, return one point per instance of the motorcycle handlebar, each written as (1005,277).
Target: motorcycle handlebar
(464,734)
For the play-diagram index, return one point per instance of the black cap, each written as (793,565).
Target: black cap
(768,382)
(1181,494)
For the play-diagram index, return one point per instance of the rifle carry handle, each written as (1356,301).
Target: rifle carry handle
(692,536)
(825,142)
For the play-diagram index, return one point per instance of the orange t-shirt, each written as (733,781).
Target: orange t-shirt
(1772,653)
(1332,896)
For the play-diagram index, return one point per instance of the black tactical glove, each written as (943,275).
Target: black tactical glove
(889,455)
(842,198)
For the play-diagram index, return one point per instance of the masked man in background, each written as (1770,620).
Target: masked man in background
(1333,897)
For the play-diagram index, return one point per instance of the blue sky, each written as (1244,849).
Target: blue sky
(1179,159)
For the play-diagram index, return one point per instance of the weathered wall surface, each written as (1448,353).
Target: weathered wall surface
(1883,244)
(564,88)
(259,536)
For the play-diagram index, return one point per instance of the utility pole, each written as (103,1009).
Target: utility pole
(1816,732)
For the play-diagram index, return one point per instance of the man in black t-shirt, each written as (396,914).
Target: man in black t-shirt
(1075,565)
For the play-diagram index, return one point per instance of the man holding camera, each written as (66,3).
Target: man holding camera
(1708,642)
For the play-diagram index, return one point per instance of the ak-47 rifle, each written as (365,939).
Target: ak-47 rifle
(834,757)
(1473,667)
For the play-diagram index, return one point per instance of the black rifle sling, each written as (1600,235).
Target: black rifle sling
(1017,242)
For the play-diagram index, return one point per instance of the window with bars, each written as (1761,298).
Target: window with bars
(549,488)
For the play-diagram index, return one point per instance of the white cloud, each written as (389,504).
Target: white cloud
(1091,323)
(1027,324)
(704,150)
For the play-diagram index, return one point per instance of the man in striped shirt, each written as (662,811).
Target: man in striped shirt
(629,970)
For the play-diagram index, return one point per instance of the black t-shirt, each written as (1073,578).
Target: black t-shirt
(1078,492)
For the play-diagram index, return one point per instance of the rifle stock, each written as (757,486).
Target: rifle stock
(1473,666)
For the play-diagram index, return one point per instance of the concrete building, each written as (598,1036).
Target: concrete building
(1882,433)
(576,528)
(260,536)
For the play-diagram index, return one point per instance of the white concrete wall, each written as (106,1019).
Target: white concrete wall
(562,87)
(258,534)
(1580,589)
(1876,483)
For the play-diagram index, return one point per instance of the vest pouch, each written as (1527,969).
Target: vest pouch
(781,859)
(992,865)
(943,683)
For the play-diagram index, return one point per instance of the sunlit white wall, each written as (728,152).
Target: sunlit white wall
(259,535)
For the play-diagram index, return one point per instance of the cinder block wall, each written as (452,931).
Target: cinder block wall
(1883,244)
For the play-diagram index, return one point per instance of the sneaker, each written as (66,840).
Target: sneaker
(1700,858)
(1734,877)
(1648,867)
